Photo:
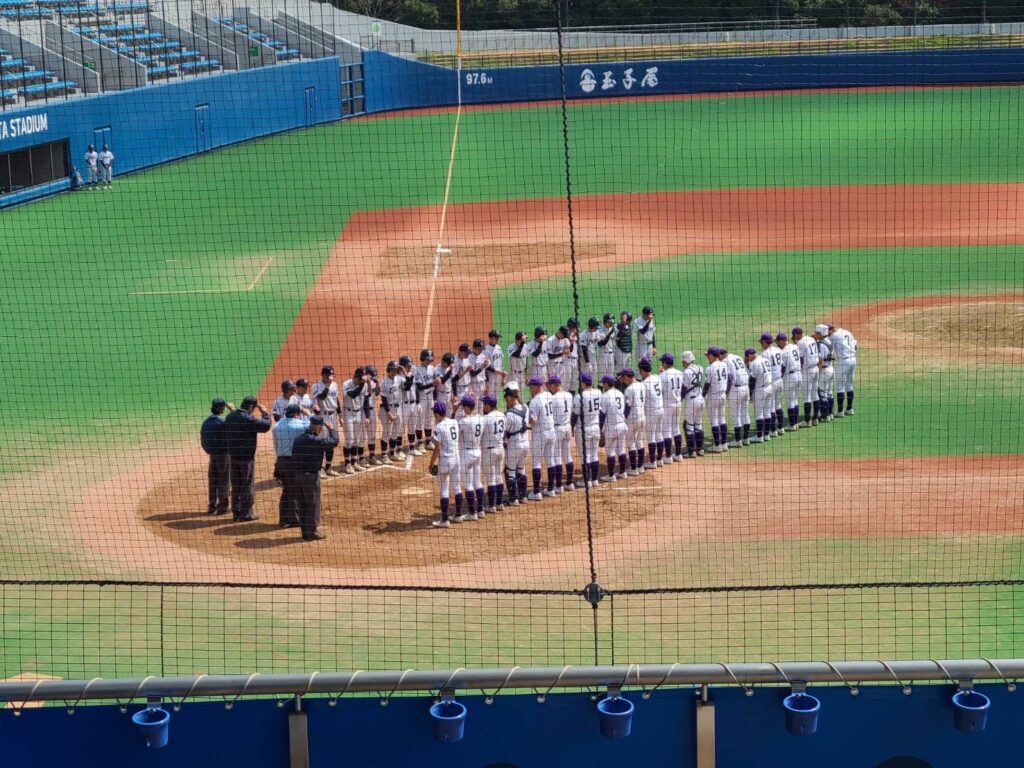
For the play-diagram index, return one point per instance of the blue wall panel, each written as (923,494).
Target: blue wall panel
(160,123)
(395,83)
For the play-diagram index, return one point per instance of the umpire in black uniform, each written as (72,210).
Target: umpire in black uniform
(240,430)
(211,437)
(307,456)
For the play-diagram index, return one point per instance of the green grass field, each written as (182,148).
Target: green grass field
(95,325)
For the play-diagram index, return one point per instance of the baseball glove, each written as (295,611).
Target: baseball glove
(433,470)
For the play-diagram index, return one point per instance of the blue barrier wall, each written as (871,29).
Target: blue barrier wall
(516,731)
(147,126)
(396,83)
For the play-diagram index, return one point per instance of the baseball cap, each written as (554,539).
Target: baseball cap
(687,357)
(781,337)
(593,322)
(586,378)
(218,404)
(493,334)
(249,401)
(316,419)
(535,381)
(553,379)
(627,372)
(327,370)
(645,364)
(490,400)
(478,343)
(540,330)
(767,337)
(512,386)
(447,357)
(292,410)
(749,351)
(467,401)
(797,330)
(301,383)
(646,310)
(712,350)
(821,328)
(668,358)
(440,408)
(463,347)
(287,385)
(608,379)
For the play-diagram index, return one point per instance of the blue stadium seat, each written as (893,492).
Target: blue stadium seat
(119,28)
(182,55)
(79,10)
(140,36)
(26,13)
(123,8)
(14,64)
(288,53)
(161,72)
(15,3)
(46,89)
(163,45)
(203,65)
(13,78)
(8,95)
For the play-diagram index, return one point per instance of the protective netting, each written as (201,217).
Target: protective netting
(808,302)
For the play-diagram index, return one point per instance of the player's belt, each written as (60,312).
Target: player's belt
(330,413)
(353,410)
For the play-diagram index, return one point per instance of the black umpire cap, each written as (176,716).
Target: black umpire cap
(218,405)
(249,401)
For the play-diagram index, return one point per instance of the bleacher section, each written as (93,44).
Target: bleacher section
(281,50)
(20,79)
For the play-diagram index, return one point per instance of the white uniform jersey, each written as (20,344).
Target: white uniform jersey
(446,436)
(644,332)
(693,382)
(844,345)
(587,407)
(462,377)
(561,408)
(389,392)
(516,359)
(536,357)
(588,342)
(774,357)
(354,401)
(478,362)
(541,415)
(737,369)
(761,371)
(493,353)
(607,350)
(791,360)
(671,386)
(471,432)
(106,158)
(307,402)
(328,404)
(717,377)
(278,407)
(421,376)
(825,353)
(556,350)
(494,430)
(517,423)
(613,408)
(91,158)
(446,380)
(407,393)
(654,396)
(808,349)
(636,399)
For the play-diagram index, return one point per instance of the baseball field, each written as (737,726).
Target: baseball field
(896,213)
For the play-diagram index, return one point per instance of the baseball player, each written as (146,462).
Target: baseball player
(517,359)
(286,398)
(571,378)
(496,362)
(808,349)
(693,405)
(716,389)
(325,397)
(536,354)
(493,446)
(760,385)
(106,167)
(636,420)
(517,427)
(353,413)
(588,348)
(792,378)
(612,419)
(654,413)
(844,348)
(371,397)
(826,373)
(446,373)
(423,383)
(623,341)
(774,357)
(672,394)
(606,346)
(645,343)
(306,402)
(92,159)
(738,398)
(444,462)
(410,412)
(479,363)
(462,378)
(542,425)
(561,447)
(471,431)
(557,350)
(391,414)
(586,426)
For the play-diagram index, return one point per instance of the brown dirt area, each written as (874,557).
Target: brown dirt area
(377,522)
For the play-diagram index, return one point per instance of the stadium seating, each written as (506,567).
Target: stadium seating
(281,50)
(20,79)
(40,90)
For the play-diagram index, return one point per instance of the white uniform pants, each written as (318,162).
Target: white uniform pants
(516,376)
(426,414)
(515,453)
(635,430)
(643,349)
(391,430)
(826,376)
(693,413)
(670,424)
(541,448)
(605,365)
(470,461)
(793,386)
(777,399)
(716,409)
(593,443)
(448,477)
(354,437)
(810,385)
(493,466)
(410,417)
(764,403)
(622,359)
(655,421)
(844,376)
(615,440)
(572,375)
(561,445)
(739,406)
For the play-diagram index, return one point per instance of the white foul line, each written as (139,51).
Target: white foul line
(260,274)
(185,291)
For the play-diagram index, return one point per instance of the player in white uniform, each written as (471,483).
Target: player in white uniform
(517,443)
(423,383)
(445,387)
(286,398)
(480,363)
(444,462)
(606,347)
(536,357)
(462,378)
(587,345)
(773,355)
(844,348)
(646,346)
(613,424)
(826,373)
(792,379)
(410,411)
(517,359)
(391,414)
(471,432)
(542,425)
(636,420)
(325,398)
(557,350)
(586,426)
(654,414)
(496,366)
(561,448)
(716,389)
(672,390)
(353,410)
(738,398)
(493,447)
(306,402)
(623,342)
(571,380)
(760,387)
(808,349)
(92,165)
(371,396)
(106,167)
(693,405)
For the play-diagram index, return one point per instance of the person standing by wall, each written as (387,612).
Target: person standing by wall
(211,437)
(92,165)
(240,430)
(106,167)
